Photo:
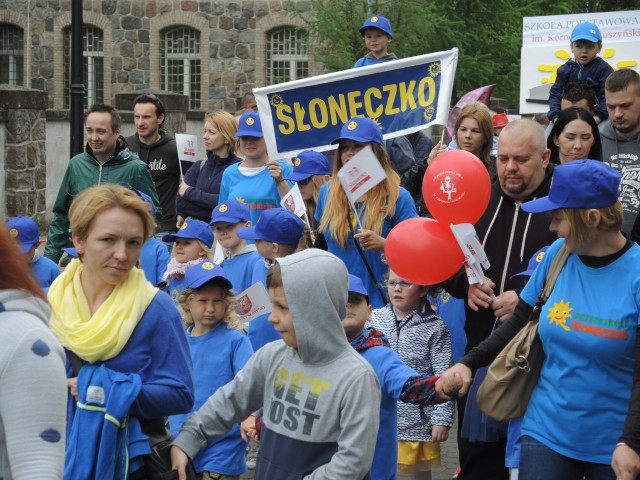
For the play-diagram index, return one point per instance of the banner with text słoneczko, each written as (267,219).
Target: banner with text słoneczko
(402,96)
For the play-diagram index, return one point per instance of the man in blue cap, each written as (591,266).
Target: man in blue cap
(586,43)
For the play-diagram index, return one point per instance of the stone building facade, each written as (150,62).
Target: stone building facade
(214,51)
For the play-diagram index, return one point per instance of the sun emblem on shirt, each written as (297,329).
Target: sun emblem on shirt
(240,199)
(559,313)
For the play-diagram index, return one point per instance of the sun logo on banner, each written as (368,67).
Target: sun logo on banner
(435,69)
(428,113)
(276,100)
(559,313)
(564,55)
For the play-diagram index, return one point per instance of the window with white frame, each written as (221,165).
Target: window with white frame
(287,55)
(180,63)
(92,65)
(11,54)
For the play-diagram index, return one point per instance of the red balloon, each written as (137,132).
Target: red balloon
(456,187)
(423,251)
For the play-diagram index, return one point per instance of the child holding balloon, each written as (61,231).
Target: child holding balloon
(378,210)
(422,341)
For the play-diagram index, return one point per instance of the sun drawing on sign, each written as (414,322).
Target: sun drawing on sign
(564,55)
(559,313)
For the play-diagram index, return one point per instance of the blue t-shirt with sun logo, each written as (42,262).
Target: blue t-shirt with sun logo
(588,330)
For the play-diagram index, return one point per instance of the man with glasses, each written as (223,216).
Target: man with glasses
(510,237)
(157,148)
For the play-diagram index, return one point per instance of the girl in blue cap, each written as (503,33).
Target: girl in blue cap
(258,182)
(379,210)
(218,351)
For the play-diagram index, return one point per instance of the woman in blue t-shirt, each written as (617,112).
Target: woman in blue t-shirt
(577,417)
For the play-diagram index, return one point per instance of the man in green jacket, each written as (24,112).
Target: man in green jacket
(106,159)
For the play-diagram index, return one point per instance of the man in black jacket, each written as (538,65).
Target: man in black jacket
(157,148)
(510,237)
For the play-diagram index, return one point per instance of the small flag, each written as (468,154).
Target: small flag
(474,256)
(361,174)
(187,145)
(253,302)
(293,201)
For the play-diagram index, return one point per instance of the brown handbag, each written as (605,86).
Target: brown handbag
(505,392)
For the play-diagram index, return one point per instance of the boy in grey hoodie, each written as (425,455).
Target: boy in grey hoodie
(320,398)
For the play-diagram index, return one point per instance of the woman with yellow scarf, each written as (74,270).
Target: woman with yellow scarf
(121,327)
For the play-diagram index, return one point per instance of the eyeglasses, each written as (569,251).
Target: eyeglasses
(392,284)
(304,182)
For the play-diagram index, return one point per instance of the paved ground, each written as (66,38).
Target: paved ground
(449,457)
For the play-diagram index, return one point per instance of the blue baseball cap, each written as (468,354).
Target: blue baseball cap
(205,272)
(275,225)
(307,164)
(192,229)
(25,231)
(146,198)
(533,263)
(231,211)
(249,125)
(378,22)
(71,251)
(360,129)
(579,184)
(356,286)
(586,31)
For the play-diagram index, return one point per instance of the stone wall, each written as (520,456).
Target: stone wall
(232,50)
(24,172)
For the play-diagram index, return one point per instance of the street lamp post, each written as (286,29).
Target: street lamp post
(77,85)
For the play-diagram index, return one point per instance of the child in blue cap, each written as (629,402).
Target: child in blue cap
(310,171)
(242,263)
(277,234)
(379,210)
(25,231)
(218,350)
(193,244)
(397,380)
(586,43)
(377,34)
(258,182)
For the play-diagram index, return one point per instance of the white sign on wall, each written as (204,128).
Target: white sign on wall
(545,47)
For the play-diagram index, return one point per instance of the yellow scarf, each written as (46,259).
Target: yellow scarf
(104,334)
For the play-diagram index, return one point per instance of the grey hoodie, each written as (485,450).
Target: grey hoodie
(33,390)
(624,156)
(321,401)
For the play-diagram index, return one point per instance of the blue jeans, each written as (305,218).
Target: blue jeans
(539,462)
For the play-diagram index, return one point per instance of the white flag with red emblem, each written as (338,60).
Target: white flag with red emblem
(253,302)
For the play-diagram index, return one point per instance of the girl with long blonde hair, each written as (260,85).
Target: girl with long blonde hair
(379,210)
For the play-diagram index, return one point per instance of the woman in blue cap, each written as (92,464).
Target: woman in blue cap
(310,171)
(379,210)
(257,182)
(582,411)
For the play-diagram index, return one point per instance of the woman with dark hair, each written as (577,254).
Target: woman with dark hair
(125,343)
(574,136)
(33,394)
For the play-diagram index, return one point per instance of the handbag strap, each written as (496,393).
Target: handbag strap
(552,275)
(367,266)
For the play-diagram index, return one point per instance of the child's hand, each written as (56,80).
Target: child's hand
(248,429)
(439,433)
(179,462)
(72,383)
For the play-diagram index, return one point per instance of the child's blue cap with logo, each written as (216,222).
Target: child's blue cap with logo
(194,229)
(581,184)
(205,272)
(360,129)
(586,31)
(307,164)
(249,125)
(275,225)
(25,231)
(533,263)
(377,21)
(231,211)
